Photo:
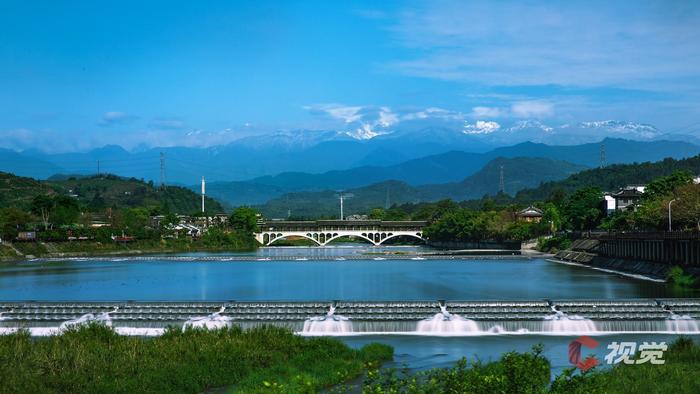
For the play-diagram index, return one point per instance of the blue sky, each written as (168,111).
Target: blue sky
(80,74)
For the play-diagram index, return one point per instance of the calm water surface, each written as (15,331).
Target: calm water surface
(390,279)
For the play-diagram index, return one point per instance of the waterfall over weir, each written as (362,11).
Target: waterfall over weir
(561,322)
(328,324)
(682,324)
(453,318)
(210,322)
(446,322)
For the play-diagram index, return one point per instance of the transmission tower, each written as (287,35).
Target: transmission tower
(162,170)
(603,161)
(501,183)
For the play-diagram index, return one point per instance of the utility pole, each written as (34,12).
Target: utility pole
(162,170)
(203,193)
(669,214)
(603,160)
(502,183)
(387,202)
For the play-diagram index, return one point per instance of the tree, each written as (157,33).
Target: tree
(665,185)
(583,208)
(687,208)
(376,214)
(11,221)
(65,210)
(42,206)
(244,219)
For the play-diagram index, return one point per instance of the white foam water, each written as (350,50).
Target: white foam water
(328,324)
(446,322)
(210,322)
(561,322)
(88,318)
(682,323)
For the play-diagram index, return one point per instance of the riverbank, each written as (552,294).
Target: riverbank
(20,251)
(94,359)
(583,253)
(147,249)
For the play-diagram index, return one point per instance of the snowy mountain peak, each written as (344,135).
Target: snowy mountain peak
(481,127)
(530,124)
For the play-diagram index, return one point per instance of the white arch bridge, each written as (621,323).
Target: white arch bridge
(324,231)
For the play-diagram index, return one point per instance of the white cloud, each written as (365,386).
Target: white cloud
(632,44)
(481,127)
(486,112)
(532,109)
(116,117)
(168,123)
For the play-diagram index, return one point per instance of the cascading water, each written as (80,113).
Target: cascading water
(561,322)
(446,322)
(330,323)
(681,323)
(210,322)
(89,318)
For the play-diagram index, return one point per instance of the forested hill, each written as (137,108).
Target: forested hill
(519,173)
(104,191)
(611,178)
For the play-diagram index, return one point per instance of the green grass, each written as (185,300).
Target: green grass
(94,359)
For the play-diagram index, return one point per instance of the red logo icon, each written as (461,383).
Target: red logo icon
(575,353)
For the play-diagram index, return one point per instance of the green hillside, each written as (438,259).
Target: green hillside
(611,178)
(104,191)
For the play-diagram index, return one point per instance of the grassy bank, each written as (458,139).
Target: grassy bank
(530,373)
(94,359)
(94,248)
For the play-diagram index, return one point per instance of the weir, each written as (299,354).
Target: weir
(552,317)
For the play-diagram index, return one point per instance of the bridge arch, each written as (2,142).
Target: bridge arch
(416,235)
(283,236)
(336,236)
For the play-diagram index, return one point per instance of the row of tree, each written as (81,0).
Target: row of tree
(582,210)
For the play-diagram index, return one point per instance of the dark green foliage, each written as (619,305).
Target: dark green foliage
(96,193)
(12,220)
(244,219)
(553,244)
(678,277)
(94,359)
(611,178)
(513,373)
(665,185)
(583,208)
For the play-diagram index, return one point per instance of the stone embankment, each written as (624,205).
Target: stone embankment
(585,251)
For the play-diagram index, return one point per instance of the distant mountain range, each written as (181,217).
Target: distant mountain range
(443,168)
(523,172)
(317,152)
